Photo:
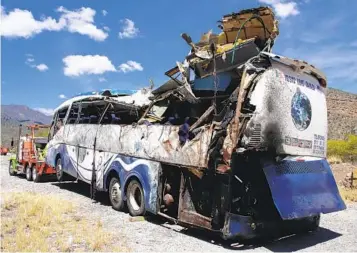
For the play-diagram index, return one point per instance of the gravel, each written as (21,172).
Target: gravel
(337,232)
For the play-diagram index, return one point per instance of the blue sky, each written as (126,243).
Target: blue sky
(55,49)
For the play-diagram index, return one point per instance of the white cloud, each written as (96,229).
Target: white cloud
(130,66)
(106,28)
(82,21)
(46,111)
(62,96)
(102,79)
(128,30)
(21,24)
(283,8)
(76,65)
(104,12)
(30,59)
(42,67)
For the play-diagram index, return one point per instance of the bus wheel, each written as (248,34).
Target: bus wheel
(59,171)
(313,223)
(115,195)
(11,169)
(135,198)
(35,175)
(28,173)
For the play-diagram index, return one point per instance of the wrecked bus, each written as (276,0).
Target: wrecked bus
(234,142)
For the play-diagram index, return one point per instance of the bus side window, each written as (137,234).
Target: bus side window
(91,112)
(117,114)
(57,122)
(73,114)
(53,126)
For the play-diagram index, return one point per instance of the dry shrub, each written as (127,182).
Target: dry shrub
(345,150)
(33,222)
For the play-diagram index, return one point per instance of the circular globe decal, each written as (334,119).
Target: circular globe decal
(301,110)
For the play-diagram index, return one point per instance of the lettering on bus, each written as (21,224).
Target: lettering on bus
(319,144)
(301,82)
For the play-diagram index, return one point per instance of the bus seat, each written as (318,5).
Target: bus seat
(86,120)
(93,119)
(115,120)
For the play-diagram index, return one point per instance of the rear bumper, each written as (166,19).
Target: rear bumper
(245,227)
(303,189)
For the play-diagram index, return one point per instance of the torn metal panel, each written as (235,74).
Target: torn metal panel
(187,211)
(299,66)
(154,142)
(233,130)
(140,98)
(244,51)
(207,83)
(167,86)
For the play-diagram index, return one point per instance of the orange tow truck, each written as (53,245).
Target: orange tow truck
(30,156)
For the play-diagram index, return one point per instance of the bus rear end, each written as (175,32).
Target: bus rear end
(281,175)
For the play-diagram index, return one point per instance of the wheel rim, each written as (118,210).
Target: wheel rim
(59,169)
(28,172)
(115,193)
(135,198)
(34,174)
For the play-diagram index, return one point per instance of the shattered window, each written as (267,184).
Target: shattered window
(91,112)
(73,114)
(117,114)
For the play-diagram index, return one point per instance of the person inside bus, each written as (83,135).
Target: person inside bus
(184,131)
(115,119)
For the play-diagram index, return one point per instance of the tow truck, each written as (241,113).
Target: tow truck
(30,155)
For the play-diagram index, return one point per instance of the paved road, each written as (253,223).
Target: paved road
(338,231)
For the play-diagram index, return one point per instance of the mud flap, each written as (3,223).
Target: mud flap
(302,189)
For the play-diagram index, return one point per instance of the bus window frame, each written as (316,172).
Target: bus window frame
(101,114)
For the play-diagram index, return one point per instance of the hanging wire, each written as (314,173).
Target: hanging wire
(240,29)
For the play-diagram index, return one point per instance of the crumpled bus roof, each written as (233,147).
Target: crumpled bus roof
(131,97)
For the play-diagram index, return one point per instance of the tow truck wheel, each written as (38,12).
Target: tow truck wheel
(35,175)
(11,169)
(28,173)
(115,194)
(135,198)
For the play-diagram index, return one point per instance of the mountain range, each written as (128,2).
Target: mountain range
(14,115)
(342,116)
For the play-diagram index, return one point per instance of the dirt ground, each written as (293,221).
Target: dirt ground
(340,170)
(337,230)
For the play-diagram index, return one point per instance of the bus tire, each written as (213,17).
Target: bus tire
(313,223)
(59,170)
(35,176)
(115,194)
(12,171)
(28,171)
(135,198)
